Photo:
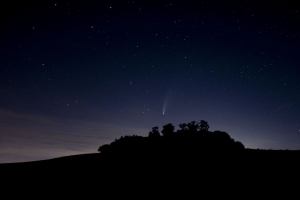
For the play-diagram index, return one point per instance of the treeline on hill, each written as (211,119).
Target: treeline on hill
(191,138)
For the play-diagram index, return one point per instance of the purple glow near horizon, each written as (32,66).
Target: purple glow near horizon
(76,75)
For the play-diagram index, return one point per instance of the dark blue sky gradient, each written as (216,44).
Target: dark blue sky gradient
(77,74)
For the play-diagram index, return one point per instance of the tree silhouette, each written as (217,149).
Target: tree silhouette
(221,135)
(192,126)
(154,133)
(168,129)
(185,141)
(104,148)
(204,125)
(239,145)
(183,126)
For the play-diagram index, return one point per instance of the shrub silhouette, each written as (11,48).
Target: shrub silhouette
(239,145)
(104,148)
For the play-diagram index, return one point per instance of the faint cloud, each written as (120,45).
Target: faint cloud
(26,137)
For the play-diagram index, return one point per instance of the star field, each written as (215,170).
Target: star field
(75,75)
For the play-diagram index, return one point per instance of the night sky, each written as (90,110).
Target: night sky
(75,75)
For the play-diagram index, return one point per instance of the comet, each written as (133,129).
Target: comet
(166,101)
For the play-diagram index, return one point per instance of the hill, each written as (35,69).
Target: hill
(179,160)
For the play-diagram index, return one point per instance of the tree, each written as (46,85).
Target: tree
(183,126)
(204,125)
(192,126)
(104,148)
(168,129)
(239,146)
(154,132)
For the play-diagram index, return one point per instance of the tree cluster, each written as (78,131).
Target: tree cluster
(191,138)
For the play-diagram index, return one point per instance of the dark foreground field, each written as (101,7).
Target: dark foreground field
(106,165)
(250,172)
